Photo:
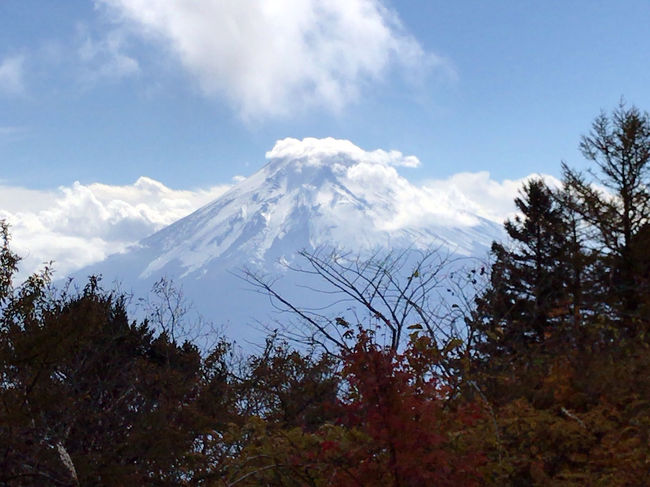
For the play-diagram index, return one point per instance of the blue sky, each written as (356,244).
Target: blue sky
(108,91)
(528,77)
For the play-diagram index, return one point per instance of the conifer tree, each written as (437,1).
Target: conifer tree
(529,294)
(619,146)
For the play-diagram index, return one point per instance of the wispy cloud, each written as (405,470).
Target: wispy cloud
(12,75)
(105,58)
(270,58)
(9,130)
(482,195)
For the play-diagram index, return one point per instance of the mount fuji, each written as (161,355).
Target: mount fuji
(312,193)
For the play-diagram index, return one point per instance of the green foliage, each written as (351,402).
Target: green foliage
(529,296)
(582,419)
(80,381)
(8,264)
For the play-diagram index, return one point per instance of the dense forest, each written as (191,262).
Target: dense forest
(545,383)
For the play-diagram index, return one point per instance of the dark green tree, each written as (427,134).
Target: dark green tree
(529,297)
(88,397)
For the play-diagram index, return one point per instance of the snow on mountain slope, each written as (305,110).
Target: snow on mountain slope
(311,193)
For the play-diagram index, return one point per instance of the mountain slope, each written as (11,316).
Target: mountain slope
(311,193)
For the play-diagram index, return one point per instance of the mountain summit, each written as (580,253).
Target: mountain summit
(311,193)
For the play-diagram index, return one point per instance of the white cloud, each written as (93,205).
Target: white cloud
(482,195)
(315,151)
(81,224)
(106,58)
(12,74)
(272,57)
(396,202)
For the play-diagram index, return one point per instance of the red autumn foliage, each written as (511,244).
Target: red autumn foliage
(415,430)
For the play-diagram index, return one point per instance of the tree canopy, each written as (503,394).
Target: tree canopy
(540,378)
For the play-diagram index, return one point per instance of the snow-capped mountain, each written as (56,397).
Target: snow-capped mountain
(311,193)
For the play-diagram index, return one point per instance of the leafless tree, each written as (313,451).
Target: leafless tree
(395,294)
(171,312)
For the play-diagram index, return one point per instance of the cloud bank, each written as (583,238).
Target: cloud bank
(269,58)
(81,224)
(481,195)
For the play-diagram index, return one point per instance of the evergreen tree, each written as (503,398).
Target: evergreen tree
(529,294)
(569,404)
(619,146)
